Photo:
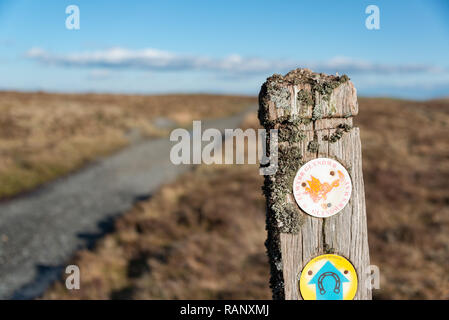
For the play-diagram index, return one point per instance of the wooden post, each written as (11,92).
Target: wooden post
(313,113)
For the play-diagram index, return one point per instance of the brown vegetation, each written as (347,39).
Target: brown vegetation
(199,238)
(406,171)
(202,237)
(43,136)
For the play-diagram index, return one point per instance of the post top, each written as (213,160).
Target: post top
(303,94)
(305,75)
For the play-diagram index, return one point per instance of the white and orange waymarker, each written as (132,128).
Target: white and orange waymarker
(322,187)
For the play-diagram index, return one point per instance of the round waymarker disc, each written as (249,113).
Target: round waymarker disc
(322,187)
(328,277)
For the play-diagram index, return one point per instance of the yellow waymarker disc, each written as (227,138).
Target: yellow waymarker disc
(328,277)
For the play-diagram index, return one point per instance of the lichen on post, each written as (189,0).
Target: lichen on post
(313,113)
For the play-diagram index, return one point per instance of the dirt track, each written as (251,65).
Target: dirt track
(41,230)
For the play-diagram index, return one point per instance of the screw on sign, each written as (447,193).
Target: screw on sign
(315,200)
(328,277)
(322,187)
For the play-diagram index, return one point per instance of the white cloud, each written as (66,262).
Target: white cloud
(159,60)
(99,74)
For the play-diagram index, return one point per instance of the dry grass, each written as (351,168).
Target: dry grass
(406,171)
(43,136)
(196,239)
(202,237)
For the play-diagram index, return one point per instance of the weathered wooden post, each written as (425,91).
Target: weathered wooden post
(315,208)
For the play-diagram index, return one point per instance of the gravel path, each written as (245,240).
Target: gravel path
(40,231)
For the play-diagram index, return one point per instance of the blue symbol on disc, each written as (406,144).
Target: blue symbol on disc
(329,283)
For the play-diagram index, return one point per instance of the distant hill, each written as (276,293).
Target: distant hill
(46,135)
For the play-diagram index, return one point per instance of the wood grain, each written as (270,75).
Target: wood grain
(344,233)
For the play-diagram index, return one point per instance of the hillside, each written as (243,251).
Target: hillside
(44,135)
(202,236)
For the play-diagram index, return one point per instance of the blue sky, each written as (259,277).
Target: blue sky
(222,46)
